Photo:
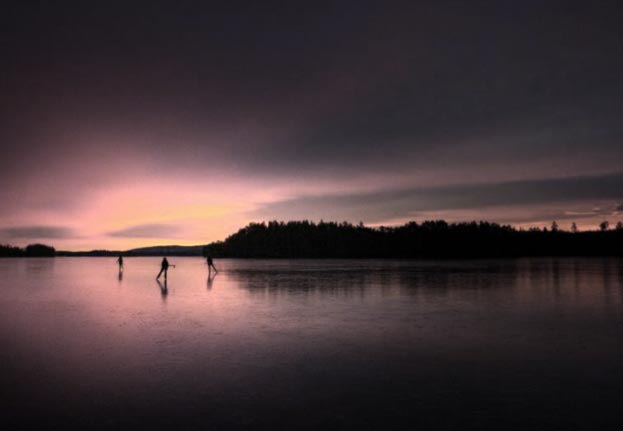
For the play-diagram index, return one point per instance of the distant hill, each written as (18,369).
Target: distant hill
(90,253)
(167,250)
(161,250)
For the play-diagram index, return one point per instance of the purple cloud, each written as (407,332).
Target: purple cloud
(149,230)
(34,232)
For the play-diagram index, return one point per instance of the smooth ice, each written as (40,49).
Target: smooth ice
(311,343)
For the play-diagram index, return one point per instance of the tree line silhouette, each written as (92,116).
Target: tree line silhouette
(32,250)
(429,239)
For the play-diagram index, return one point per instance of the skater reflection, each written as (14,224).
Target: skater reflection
(210,280)
(163,288)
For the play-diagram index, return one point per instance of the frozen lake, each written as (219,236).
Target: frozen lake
(311,343)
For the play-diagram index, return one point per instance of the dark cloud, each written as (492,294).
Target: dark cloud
(330,83)
(443,91)
(35,232)
(380,206)
(150,230)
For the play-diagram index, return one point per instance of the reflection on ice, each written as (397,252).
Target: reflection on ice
(353,343)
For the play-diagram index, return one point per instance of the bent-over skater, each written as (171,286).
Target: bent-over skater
(164,267)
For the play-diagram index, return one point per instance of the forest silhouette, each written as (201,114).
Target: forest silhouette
(430,239)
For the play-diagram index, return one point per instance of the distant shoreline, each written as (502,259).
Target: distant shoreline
(330,240)
(414,259)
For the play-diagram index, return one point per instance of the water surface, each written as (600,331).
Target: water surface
(311,343)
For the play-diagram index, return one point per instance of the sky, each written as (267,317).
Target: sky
(127,124)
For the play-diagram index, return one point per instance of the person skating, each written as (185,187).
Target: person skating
(164,267)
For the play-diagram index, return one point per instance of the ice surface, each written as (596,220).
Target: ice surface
(311,343)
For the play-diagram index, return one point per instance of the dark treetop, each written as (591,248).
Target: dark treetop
(32,250)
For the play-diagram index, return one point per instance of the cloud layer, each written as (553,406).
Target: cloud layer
(134,124)
(390,204)
(36,232)
(152,230)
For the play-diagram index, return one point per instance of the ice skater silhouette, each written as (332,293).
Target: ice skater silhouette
(211,265)
(164,267)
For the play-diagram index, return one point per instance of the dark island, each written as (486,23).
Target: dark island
(32,250)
